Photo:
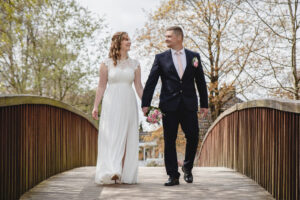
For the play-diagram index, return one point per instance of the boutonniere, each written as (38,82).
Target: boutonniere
(195,62)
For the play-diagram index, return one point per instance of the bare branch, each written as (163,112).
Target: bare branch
(271,28)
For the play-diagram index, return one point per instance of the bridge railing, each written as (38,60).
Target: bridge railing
(259,139)
(41,137)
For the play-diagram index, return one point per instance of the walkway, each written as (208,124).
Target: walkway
(209,183)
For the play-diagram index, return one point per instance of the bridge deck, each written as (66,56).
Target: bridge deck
(209,183)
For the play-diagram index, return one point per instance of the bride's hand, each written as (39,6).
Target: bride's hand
(95,113)
(145,110)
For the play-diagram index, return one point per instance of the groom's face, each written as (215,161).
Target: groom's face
(172,39)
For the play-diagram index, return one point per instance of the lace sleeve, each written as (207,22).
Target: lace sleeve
(136,64)
(107,62)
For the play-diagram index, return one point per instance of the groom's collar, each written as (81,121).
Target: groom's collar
(181,50)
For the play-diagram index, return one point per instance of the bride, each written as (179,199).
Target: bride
(118,128)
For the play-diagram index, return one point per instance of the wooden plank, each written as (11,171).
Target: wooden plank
(209,183)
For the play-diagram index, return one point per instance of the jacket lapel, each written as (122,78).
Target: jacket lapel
(188,63)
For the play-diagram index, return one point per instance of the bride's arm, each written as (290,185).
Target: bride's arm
(103,73)
(137,82)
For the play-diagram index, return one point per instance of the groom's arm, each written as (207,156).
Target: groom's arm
(151,83)
(201,84)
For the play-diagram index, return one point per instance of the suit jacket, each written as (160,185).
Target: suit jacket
(173,88)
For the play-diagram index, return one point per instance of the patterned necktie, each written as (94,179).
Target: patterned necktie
(180,68)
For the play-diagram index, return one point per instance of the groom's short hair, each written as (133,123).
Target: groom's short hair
(177,30)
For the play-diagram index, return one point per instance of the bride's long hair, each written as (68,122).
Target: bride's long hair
(115,46)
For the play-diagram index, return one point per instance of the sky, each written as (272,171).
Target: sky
(125,15)
(122,15)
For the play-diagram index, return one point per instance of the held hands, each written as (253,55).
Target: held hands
(95,113)
(204,111)
(145,110)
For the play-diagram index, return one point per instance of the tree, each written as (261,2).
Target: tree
(44,48)
(15,29)
(217,30)
(279,30)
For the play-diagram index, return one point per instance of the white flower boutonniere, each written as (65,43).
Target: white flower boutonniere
(195,62)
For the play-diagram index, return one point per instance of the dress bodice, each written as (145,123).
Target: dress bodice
(123,72)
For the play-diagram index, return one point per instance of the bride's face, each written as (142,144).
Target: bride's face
(126,43)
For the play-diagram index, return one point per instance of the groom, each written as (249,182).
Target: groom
(179,69)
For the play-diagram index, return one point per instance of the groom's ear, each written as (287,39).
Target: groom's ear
(179,37)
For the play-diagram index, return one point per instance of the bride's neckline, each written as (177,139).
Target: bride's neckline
(123,59)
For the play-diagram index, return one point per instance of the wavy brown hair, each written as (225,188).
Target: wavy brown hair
(115,46)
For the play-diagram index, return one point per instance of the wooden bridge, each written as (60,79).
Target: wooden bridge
(48,150)
(210,183)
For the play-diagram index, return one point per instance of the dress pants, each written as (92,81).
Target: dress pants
(189,124)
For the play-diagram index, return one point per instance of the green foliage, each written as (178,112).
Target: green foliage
(44,48)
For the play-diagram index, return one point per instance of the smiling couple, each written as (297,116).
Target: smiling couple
(181,73)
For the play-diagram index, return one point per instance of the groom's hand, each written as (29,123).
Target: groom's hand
(145,110)
(204,111)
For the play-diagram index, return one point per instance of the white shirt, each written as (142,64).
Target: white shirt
(182,57)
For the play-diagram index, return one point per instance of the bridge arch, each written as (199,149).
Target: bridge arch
(41,137)
(259,139)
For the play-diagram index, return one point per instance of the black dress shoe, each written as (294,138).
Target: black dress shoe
(172,181)
(188,176)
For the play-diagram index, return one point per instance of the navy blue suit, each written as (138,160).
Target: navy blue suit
(179,103)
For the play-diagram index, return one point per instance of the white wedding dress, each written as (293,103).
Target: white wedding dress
(118,128)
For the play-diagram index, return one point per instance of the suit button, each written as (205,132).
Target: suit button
(180,91)
(180,81)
